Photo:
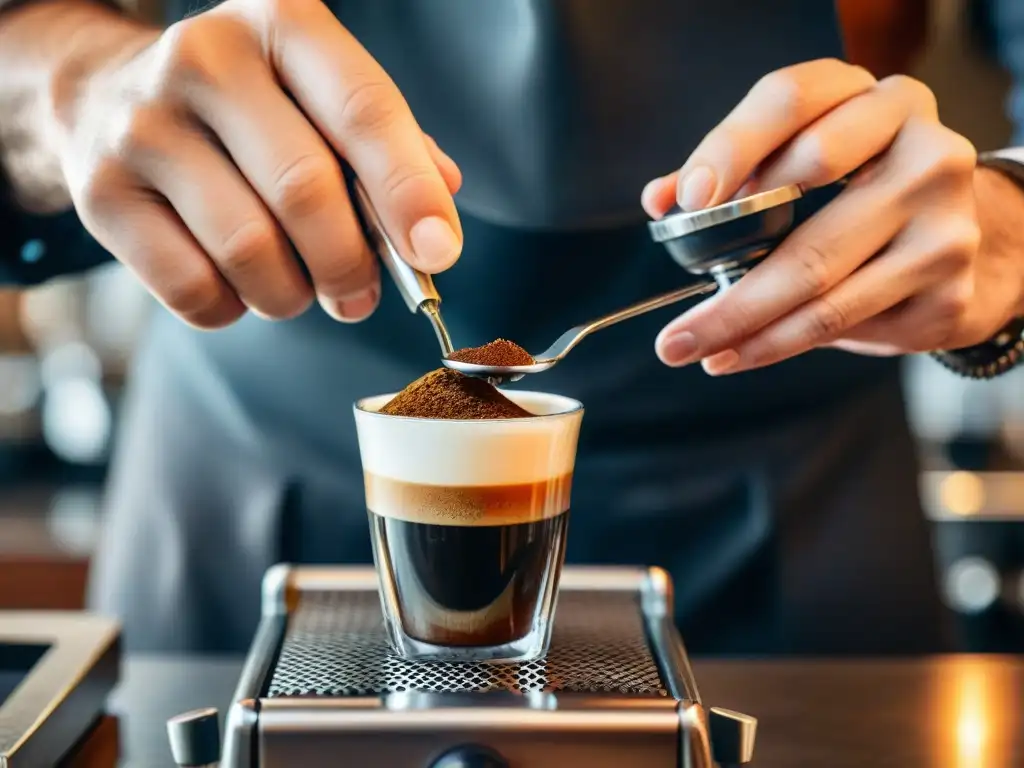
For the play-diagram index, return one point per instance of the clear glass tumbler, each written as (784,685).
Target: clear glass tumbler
(468,520)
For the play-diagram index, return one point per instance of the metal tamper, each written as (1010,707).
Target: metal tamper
(726,241)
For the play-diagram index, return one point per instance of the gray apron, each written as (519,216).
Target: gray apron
(783,501)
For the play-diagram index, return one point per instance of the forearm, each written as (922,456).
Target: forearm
(39,41)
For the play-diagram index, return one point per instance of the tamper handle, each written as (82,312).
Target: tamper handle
(732,737)
(416,287)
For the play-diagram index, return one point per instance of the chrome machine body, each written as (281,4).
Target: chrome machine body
(321,687)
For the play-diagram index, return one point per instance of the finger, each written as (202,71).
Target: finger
(230,222)
(868,349)
(933,320)
(850,135)
(873,289)
(146,235)
(358,108)
(292,169)
(857,224)
(775,110)
(925,263)
(450,172)
(659,195)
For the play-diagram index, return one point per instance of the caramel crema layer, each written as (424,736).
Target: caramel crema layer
(483,505)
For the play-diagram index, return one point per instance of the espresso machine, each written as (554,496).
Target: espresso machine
(321,687)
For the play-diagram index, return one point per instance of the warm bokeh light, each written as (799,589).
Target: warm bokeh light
(963,493)
(973,703)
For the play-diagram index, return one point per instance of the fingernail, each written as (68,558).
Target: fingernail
(678,349)
(354,308)
(720,363)
(697,189)
(650,192)
(434,243)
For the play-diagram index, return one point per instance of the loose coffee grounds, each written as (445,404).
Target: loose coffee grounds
(448,394)
(500,352)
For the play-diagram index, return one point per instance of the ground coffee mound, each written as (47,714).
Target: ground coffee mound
(448,394)
(500,352)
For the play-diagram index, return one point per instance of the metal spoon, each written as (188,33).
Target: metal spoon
(501,374)
(417,288)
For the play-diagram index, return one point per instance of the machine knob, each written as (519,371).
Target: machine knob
(732,737)
(471,756)
(195,738)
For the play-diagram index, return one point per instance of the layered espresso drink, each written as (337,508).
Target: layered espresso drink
(469,563)
(469,520)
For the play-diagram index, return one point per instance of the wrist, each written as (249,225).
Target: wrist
(101,39)
(40,41)
(1000,206)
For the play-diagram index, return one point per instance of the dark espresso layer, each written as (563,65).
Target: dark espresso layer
(477,581)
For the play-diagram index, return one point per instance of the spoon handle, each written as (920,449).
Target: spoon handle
(574,336)
(415,286)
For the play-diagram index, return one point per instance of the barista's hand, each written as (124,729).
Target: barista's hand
(196,155)
(899,262)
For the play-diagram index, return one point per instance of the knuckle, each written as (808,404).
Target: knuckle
(408,177)
(305,185)
(98,192)
(955,301)
(817,163)
(939,154)
(828,319)
(811,269)
(369,108)
(245,247)
(185,56)
(961,242)
(783,88)
(139,136)
(197,298)
(961,154)
(919,94)
(345,278)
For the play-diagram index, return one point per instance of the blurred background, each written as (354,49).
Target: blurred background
(65,349)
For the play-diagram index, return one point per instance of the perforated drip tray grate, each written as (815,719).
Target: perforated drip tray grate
(335,645)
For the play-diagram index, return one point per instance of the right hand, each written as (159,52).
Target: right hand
(194,156)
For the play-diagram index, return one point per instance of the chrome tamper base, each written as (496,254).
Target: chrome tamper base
(726,241)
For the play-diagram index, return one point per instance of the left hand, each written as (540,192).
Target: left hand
(899,262)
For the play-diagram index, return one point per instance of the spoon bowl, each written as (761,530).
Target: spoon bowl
(499,374)
(503,374)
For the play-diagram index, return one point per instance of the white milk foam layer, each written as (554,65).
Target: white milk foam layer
(473,452)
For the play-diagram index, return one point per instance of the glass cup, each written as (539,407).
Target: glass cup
(468,520)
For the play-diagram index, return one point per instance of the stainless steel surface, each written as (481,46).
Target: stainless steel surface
(694,740)
(732,737)
(726,241)
(564,344)
(64,692)
(685,223)
(313,733)
(336,646)
(417,288)
(433,312)
(320,682)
